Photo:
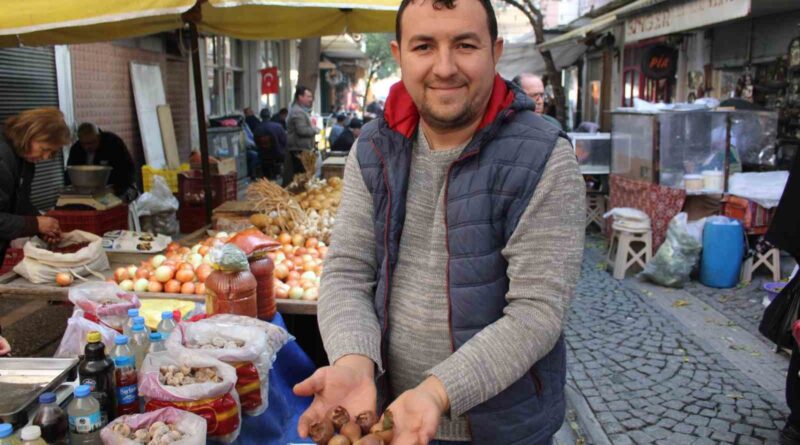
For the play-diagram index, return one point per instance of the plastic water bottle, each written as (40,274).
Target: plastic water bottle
(167,324)
(7,435)
(85,422)
(32,435)
(52,420)
(156,343)
(132,313)
(141,320)
(122,348)
(139,344)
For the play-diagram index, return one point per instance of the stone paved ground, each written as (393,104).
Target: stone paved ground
(649,381)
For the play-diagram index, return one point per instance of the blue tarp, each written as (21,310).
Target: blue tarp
(278,424)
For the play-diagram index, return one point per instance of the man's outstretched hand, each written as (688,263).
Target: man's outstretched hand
(350,383)
(416,413)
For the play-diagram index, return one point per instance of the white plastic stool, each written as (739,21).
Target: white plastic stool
(629,247)
(771,260)
(595,208)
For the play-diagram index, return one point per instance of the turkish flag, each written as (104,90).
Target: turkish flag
(269,80)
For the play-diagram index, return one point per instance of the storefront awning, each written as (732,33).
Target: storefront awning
(597,25)
(48,22)
(270,19)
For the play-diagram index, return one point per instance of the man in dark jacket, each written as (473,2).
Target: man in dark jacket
(251,119)
(271,142)
(348,137)
(97,147)
(457,246)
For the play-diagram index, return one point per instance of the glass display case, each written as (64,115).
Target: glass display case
(593,151)
(754,136)
(633,145)
(687,149)
(691,145)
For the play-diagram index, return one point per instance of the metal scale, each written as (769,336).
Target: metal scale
(98,199)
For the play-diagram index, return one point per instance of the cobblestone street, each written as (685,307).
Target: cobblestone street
(647,379)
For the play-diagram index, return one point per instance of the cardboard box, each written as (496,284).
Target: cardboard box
(223,167)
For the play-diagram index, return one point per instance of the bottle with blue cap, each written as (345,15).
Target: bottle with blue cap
(126,381)
(167,324)
(156,343)
(51,419)
(7,436)
(122,348)
(85,421)
(132,314)
(139,319)
(140,343)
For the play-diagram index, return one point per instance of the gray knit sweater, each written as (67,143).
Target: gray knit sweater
(544,255)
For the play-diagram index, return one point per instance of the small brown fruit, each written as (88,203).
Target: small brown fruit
(339,440)
(370,439)
(322,432)
(351,430)
(366,420)
(339,416)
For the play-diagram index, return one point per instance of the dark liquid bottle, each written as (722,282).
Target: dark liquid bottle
(52,420)
(97,371)
(127,392)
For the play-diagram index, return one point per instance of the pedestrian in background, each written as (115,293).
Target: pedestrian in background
(299,133)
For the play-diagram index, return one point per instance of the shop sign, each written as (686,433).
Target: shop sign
(269,80)
(683,16)
(659,62)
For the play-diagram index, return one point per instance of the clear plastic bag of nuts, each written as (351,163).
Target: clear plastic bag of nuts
(166,426)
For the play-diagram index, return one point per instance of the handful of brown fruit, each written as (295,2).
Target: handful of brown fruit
(337,428)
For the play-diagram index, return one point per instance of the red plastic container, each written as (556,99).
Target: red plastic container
(191,218)
(13,257)
(93,221)
(191,193)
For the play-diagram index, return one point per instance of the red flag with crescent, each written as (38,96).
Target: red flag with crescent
(269,80)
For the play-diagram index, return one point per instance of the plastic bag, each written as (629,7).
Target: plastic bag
(158,200)
(73,342)
(191,425)
(104,302)
(217,403)
(229,258)
(277,337)
(251,361)
(676,258)
(41,265)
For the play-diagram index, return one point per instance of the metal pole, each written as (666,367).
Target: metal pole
(201,118)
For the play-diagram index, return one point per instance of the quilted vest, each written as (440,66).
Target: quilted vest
(486,191)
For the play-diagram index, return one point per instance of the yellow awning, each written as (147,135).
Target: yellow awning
(269,19)
(49,22)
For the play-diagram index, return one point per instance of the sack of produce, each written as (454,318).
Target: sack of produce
(242,347)
(196,383)
(104,302)
(277,337)
(163,426)
(73,343)
(79,253)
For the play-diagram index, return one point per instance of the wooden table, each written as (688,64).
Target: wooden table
(13,285)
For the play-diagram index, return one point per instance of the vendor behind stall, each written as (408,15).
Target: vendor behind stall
(97,147)
(31,136)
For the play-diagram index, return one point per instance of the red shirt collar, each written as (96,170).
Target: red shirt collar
(402,116)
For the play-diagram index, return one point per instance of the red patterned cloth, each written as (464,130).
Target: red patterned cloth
(660,203)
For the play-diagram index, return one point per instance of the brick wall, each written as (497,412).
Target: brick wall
(103,91)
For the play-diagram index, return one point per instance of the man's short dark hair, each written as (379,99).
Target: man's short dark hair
(265,114)
(283,111)
(300,90)
(341,117)
(491,19)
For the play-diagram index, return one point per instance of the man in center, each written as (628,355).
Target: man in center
(456,248)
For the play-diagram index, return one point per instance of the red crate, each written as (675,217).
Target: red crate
(191,218)
(93,221)
(13,257)
(191,193)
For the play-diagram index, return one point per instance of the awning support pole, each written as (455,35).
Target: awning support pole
(201,118)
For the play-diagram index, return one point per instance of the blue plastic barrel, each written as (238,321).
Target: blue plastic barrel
(723,251)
